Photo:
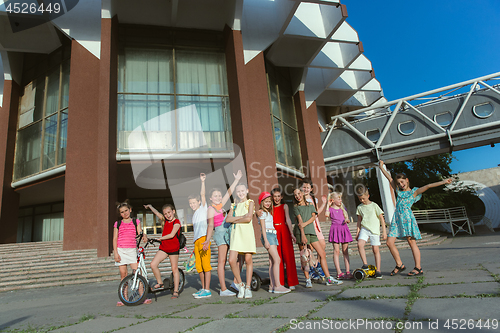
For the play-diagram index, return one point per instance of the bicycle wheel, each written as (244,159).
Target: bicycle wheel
(182,281)
(133,295)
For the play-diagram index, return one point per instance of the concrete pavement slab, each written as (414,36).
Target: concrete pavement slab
(469,289)
(327,325)
(214,311)
(242,325)
(100,324)
(286,310)
(311,296)
(457,276)
(455,308)
(162,325)
(398,279)
(492,267)
(368,309)
(368,292)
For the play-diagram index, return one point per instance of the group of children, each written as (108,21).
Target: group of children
(233,232)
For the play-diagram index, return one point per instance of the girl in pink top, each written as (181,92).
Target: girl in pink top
(215,217)
(124,246)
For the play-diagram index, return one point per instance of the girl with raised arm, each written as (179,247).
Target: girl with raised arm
(169,246)
(215,216)
(403,224)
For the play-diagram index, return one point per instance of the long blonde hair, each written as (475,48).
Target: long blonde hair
(334,195)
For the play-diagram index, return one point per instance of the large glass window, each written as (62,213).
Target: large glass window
(43,119)
(171,99)
(41,223)
(284,120)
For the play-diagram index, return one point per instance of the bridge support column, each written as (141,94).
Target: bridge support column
(387,195)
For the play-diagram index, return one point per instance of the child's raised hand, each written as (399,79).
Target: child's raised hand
(448,181)
(203,177)
(147,206)
(324,198)
(238,175)
(380,163)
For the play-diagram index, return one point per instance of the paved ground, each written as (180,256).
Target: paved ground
(459,291)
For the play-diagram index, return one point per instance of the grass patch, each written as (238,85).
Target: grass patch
(86,317)
(413,295)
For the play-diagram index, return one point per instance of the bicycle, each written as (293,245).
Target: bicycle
(134,288)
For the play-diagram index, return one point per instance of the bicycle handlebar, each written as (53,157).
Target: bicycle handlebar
(149,241)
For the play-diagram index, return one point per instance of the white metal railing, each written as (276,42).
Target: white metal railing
(456,217)
(404,104)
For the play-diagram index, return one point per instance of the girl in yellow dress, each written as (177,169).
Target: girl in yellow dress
(242,238)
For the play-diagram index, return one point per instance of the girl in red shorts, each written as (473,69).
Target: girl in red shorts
(169,246)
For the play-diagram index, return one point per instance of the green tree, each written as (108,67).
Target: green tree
(426,170)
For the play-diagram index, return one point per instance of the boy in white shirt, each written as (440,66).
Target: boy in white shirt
(198,203)
(370,218)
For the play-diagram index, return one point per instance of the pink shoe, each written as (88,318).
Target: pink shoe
(348,275)
(341,276)
(119,304)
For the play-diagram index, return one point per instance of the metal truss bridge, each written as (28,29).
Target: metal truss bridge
(455,117)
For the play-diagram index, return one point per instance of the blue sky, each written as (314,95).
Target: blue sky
(419,46)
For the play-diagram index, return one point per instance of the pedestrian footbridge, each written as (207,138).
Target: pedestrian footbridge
(455,117)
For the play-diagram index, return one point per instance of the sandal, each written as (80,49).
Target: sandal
(175,294)
(398,269)
(158,286)
(418,271)
(120,304)
(341,276)
(147,301)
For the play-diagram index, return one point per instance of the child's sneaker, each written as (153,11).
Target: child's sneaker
(330,281)
(378,275)
(204,294)
(227,292)
(281,290)
(291,287)
(198,292)
(309,283)
(234,286)
(241,292)
(248,292)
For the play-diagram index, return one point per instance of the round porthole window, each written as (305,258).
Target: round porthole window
(443,119)
(483,110)
(373,135)
(407,127)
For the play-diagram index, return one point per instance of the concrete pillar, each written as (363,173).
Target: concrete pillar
(80,190)
(107,139)
(310,146)
(386,194)
(9,199)
(251,117)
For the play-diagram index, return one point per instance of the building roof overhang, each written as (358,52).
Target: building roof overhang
(312,38)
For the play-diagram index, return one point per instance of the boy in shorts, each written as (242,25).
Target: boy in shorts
(198,203)
(370,218)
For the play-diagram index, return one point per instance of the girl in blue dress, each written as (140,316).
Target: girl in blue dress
(403,224)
